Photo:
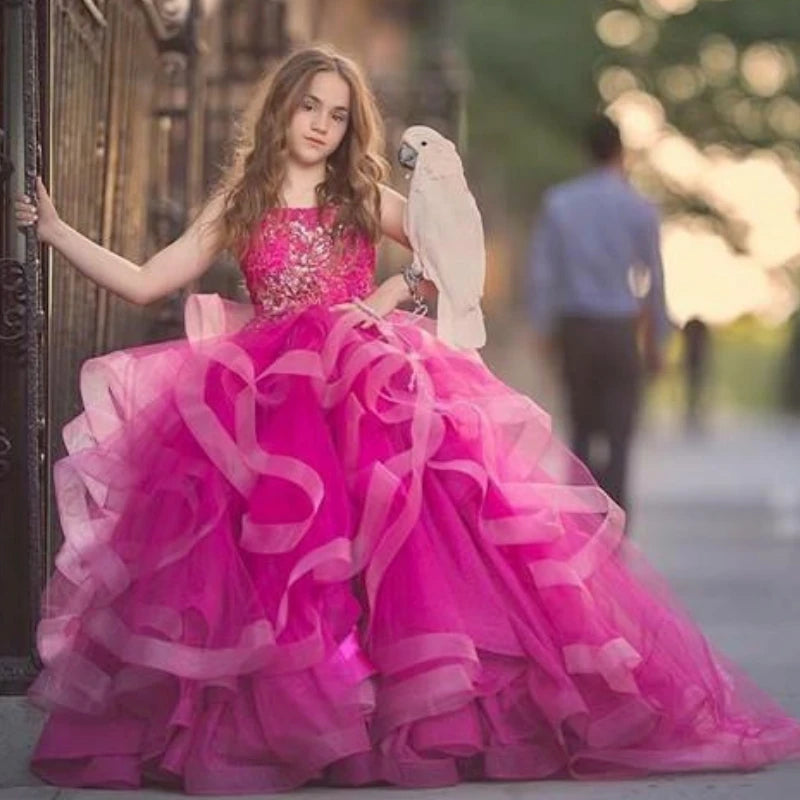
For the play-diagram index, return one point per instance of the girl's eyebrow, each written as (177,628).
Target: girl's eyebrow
(317,100)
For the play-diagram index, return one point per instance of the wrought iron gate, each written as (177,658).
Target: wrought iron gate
(22,355)
(117,81)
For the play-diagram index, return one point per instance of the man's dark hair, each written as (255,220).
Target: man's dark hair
(603,139)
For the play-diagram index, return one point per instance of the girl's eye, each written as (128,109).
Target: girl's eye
(339,117)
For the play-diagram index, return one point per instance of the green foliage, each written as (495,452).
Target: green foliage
(746,366)
(535,65)
(533,86)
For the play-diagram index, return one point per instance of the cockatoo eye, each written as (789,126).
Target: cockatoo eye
(424,144)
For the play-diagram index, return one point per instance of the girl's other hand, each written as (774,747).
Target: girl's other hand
(381,302)
(41,213)
(370,316)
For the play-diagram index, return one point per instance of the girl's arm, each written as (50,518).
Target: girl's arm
(394,291)
(393,206)
(176,265)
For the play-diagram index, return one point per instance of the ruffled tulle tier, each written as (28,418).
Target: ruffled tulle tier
(321,551)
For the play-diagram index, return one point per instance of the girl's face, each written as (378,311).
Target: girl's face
(320,122)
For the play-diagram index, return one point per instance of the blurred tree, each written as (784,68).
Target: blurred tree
(791,369)
(725,72)
(533,67)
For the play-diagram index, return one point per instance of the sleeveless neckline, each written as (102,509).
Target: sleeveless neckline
(300,208)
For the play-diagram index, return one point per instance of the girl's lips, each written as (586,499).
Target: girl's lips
(315,142)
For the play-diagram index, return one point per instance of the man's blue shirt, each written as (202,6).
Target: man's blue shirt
(595,251)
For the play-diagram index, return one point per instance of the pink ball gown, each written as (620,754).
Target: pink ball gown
(301,549)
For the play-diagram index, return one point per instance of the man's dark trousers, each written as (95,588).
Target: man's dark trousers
(603,377)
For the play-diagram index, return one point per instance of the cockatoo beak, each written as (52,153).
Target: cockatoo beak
(407,156)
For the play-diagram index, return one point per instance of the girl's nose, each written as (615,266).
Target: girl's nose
(320,123)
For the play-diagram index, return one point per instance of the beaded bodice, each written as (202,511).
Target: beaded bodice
(294,261)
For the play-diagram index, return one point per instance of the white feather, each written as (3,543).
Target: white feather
(445,230)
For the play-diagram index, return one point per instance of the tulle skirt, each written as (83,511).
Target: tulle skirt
(319,551)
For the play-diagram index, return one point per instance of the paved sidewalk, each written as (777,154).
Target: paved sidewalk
(781,784)
(744,461)
(718,515)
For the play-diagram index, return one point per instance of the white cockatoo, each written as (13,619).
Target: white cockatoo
(444,227)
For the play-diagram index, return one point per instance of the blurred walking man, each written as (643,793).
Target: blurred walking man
(597,292)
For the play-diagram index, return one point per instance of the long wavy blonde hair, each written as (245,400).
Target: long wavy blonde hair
(354,170)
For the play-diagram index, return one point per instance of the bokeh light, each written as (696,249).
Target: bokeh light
(704,277)
(681,82)
(614,81)
(765,69)
(619,28)
(678,160)
(665,7)
(783,116)
(640,117)
(718,59)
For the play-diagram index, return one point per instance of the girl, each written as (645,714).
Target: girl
(302,548)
